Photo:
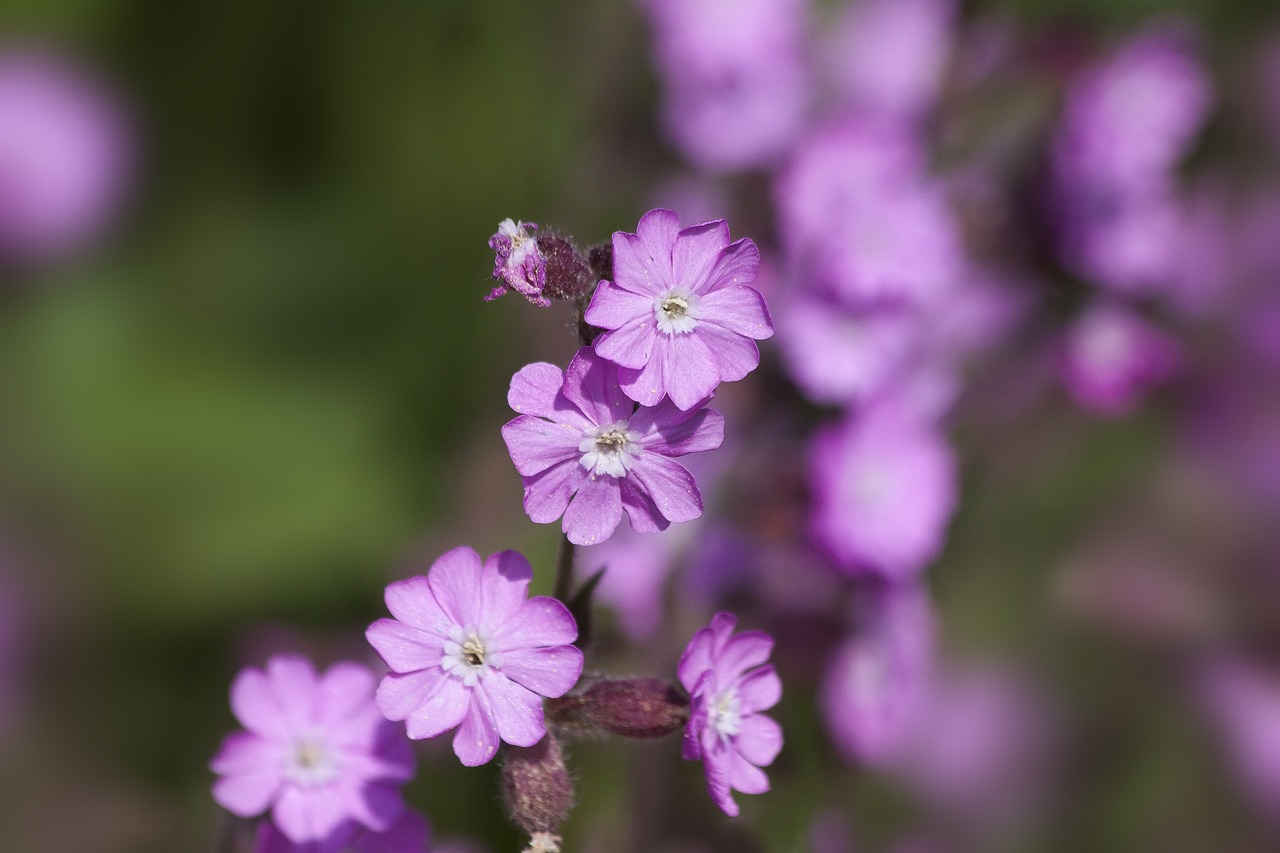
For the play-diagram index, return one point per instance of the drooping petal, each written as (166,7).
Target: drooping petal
(696,251)
(735,356)
(550,672)
(477,739)
(613,307)
(737,264)
(504,586)
(516,710)
(737,309)
(403,647)
(745,776)
(671,487)
(668,430)
(540,621)
(631,344)
(717,767)
(455,582)
(546,495)
(641,510)
(594,512)
(413,603)
(759,740)
(591,384)
(760,690)
(535,445)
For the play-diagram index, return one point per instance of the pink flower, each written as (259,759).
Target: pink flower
(409,834)
(728,687)
(586,452)
(468,651)
(679,317)
(315,751)
(1110,356)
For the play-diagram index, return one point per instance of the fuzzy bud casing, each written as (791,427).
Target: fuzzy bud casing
(567,274)
(635,707)
(536,786)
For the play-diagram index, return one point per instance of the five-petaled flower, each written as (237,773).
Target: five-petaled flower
(469,650)
(586,452)
(729,686)
(679,316)
(315,751)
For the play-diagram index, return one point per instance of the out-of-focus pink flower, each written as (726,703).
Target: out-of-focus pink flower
(736,88)
(467,650)
(636,569)
(888,56)
(1244,703)
(679,315)
(586,452)
(878,680)
(409,834)
(1110,356)
(729,686)
(314,750)
(63,155)
(884,484)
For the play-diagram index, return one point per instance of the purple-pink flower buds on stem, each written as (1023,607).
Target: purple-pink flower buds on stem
(537,789)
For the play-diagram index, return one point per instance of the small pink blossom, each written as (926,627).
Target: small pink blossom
(469,650)
(729,687)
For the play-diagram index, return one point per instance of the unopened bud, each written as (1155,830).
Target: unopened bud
(536,786)
(635,707)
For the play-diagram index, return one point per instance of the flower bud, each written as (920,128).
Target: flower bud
(567,274)
(635,707)
(536,786)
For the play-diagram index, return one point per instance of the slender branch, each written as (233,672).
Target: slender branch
(564,570)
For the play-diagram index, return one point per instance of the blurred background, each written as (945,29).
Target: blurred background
(247,377)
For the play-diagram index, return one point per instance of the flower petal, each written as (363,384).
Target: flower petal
(247,794)
(739,263)
(671,487)
(696,251)
(454,579)
(745,776)
(717,767)
(412,602)
(546,495)
(550,672)
(376,805)
(294,684)
(735,356)
(403,647)
(477,739)
(668,430)
(534,388)
(760,690)
(535,445)
(690,369)
(645,385)
(612,307)
(516,710)
(400,694)
(504,586)
(591,384)
(309,814)
(759,740)
(738,309)
(594,512)
(253,701)
(345,691)
(740,653)
(641,510)
(631,344)
(540,621)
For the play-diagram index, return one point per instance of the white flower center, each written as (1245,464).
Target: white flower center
(468,655)
(310,763)
(610,449)
(725,714)
(676,311)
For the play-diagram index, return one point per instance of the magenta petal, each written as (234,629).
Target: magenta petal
(308,814)
(293,682)
(760,690)
(669,431)
(658,231)
(690,369)
(453,579)
(738,264)
(738,309)
(541,621)
(244,753)
(403,647)
(546,495)
(717,770)
(246,795)
(696,659)
(535,445)
(594,512)
(759,740)
(745,776)
(253,702)
(643,513)
(631,344)
(477,739)
(613,307)
(743,651)
(645,385)
(735,356)
(400,694)
(671,487)
(516,710)
(591,384)
(344,693)
(504,586)
(440,711)
(534,388)
(375,805)
(412,602)
(550,672)
(696,251)
(634,269)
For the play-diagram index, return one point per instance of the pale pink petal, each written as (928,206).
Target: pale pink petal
(253,701)
(691,371)
(745,776)
(546,495)
(540,621)
(591,384)
(658,231)
(400,694)
(735,356)
(646,385)
(516,710)
(344,693)
(759,739)
(293,681)
(594,512)
(535,445)
(760,690)
(534,388)
(550,672)
(741,652)
(455,582)
(671,487)
(696,250)
(412,602)
(403,647)
(244,753)
(477,739)
(442,710)
(247,795)
(631,344)
(612,307)
(634,269)
(717,767)
(696,660)
(738,264)
(504,586)
(641,510)
(737,309)
(668,430)
(310,814)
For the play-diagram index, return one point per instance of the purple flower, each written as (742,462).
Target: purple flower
(878,680)
(409,834)
(884,484)
(1242,700)
(520,264)
(315,751)
(728,688)
(63,153)
(1110,356)
(586,452)
(466,649)
(679,315)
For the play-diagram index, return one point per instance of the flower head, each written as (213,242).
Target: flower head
(679,316)
(409,834)
(520,265)
(729,686)
(468,650)
(315,751)
(1111,355)
(586,452)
